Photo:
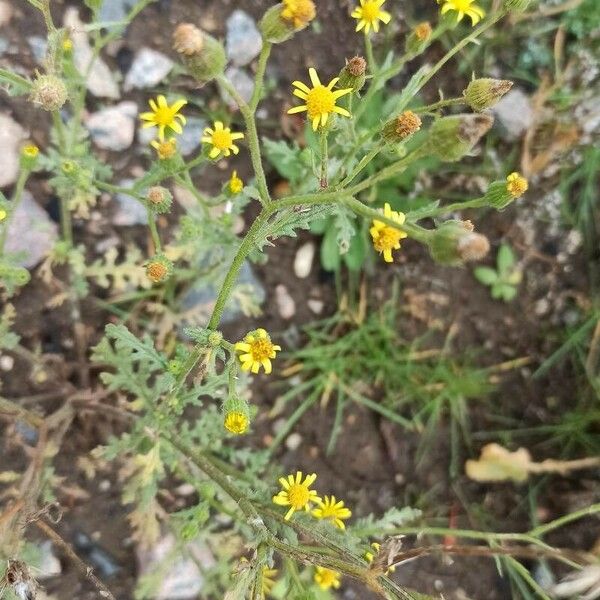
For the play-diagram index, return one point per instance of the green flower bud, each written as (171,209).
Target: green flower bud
(419,38)
(354,74)
(203,55)
(450,138)
(215,338)
(455,242)
(485,92)
(159,199)
(501,193)
(236,415)
(29,156)
(517,5)
(401,127)
(49,92)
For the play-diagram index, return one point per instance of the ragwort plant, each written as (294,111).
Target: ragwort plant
(184,402)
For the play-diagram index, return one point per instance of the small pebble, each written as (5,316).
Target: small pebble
(7,362)
(113,128)
(149,68)
(315,305)
(285,303)
(243,41)
(104,485)
(293,441)
(304,259)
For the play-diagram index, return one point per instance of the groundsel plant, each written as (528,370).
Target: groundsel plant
(186,402)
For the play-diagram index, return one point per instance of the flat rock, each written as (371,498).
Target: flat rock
(148,69)
(243,41)
(100,82)
(514,114)
(31,232)
(113,128)
(242,82)
(128,211)
(304,259)
(12,136)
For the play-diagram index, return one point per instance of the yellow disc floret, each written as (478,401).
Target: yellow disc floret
(296,493)
(162,116)
(30,150)
(298,12)
(385,237)
(463,7)
(258,350)
(369,13)
(222,140)
(327,578)
(166,149)
(516,185)
(320,100)
(333,510)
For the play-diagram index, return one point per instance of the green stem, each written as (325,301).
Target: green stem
(14,79)
(15,201)
(370,56)
(153,230)
(439,104)
(574,516)
(364,161)
(60,131)
(455,207)
(260,75)
(324,159)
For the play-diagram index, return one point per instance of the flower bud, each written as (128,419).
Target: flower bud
(187,39)
(49,92)
(203,55)
(354,74)
(485,92)
(236,415)
(450,138)
(166,149)
(517,5)
(455,242)
(235,185)
(401,127)
(29,155)
(159,199)
(159,268)
(281,21)
(418,39)
(501,193)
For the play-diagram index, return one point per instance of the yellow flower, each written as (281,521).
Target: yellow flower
(332,510)
(516,185)
(296,493)
(463,7)
(236,422)
(327,578)
(30,151)
(320,100)
(67,45)
(385,237)
(258,351)
(370,556)
(162,116)
(236,185)
(221,139)
(3,214)
(298,12)
(268,581)
(369,13)
(165,149)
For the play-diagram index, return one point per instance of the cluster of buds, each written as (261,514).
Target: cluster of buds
(283,20)
(451,138)
(401,127)
(454,243)
(484,93)
(203,55)
(354,74)
(159,268)
(49,92)
(159,199)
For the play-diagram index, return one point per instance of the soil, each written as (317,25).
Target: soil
(374,465)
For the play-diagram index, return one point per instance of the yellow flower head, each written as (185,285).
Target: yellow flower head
(258,350)
(516,185)
(165,149)
(162,116)
(334,511)
(385,237)
(463,7)
(298,12)
(236,185)
(268,581)
(320,99)
(296,493)
(67,45)
(369,13)
(30,151)
(370,556)
(221,139)
(327,578)
(3,214)
(236,422)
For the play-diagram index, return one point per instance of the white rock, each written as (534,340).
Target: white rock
(285,303)
(148,69)
(12,136)
(181,579)
(514,114)
(30,232)
(113,128)
(293,441)
(242,82)
(243,41)
(316,306)
(49,565)
(304,259)
(100,81)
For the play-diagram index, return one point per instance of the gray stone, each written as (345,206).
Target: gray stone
(285,303)
(316,306)
(128,210)
(100,82)
(49,565)
(31,233)
(38,45)
(181,576)
(514,114)
(189,140)
(114,10)
(12,136)
(243,41)
(4,45)
(113,128)
(304,259)
(242,82)
(148,69)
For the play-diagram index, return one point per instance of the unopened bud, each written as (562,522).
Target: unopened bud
(29,155)
(401,127)
(236,415)
(450,138)
(49,92)
(419,38)
(455,242)
(159,268)
(485,92)
(159,199)
(281,21)
(517,5)
(354,74)
(188,39)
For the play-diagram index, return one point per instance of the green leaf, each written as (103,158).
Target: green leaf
(287,159)
(505,260)
(392,519)
(485,275)
(357,252)
(507,292)
(330,250)
(140,349)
